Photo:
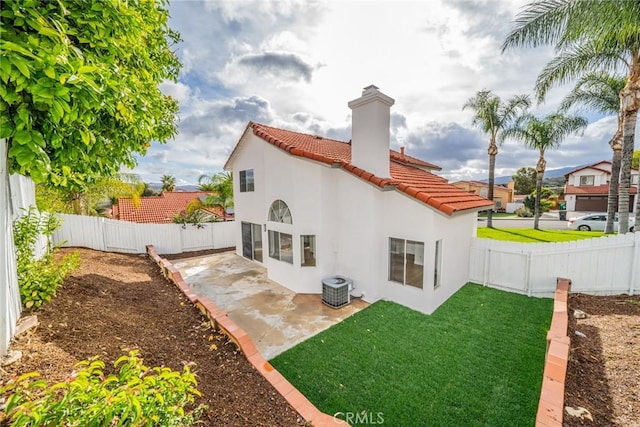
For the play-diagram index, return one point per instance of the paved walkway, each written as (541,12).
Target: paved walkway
(275,318)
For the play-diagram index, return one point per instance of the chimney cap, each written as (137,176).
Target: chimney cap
(369,94)
(370,89)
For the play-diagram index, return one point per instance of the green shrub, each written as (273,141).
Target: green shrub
(38,278)
(135,396)
(523,212)
(547,200)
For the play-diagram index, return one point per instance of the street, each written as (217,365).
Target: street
(548,221)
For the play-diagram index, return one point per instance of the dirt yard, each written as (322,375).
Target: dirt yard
(604,363)
(118,302)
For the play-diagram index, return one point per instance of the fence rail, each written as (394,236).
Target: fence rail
(605,266)
(129,237)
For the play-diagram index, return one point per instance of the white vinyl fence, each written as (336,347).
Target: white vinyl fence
(17,192)
(129,237)
(602,266)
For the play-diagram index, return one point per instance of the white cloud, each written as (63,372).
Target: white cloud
(179,91)
(296,64)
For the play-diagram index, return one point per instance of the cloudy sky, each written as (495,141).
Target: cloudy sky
(296,64)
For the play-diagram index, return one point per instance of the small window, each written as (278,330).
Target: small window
(587,180)
(406,262)
(483,192)
(308,251)
(634,179)
(279,212)
(281,246)
(246,180)
(438,264)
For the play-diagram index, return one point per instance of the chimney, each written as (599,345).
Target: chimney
(370,122)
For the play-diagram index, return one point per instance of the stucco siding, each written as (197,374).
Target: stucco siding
(353,221)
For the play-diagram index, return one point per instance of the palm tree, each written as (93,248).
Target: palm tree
(542,135)
(168,182)
(589,35)
(222,188)
(207,182)
(493,116)
(600,92)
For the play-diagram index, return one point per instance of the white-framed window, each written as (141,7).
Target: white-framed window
(634,179)
(437,268)
(281,246)
(308,251)
(246,181)
(279,212)
(483,192)
(587,179)
(406,262)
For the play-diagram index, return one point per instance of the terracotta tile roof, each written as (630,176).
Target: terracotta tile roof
(412,180)
(159,209)
(585,190)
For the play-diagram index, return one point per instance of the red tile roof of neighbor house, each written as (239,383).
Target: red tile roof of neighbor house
(586,190)
(407,173)
(159,209)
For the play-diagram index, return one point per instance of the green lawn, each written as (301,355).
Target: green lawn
(497,215)
(530,235)
(477,361)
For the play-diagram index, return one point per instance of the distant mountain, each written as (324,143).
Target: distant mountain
(156,186)
(552,173)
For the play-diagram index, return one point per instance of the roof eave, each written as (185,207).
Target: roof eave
(227,166)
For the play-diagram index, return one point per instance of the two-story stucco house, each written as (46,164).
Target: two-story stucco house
(587,188)
(501,195)
(308,208)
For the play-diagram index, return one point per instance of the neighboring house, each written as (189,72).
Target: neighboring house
(501,194)
(161,209)
(308,208)
(587,188)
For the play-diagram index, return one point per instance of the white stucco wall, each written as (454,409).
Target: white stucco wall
(600,177)
(352,221)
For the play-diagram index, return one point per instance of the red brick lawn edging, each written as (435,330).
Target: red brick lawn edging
(218,318)
(551,405)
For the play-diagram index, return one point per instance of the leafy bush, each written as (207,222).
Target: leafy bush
(38,278)
(524,212)
(135,396)
(547,200)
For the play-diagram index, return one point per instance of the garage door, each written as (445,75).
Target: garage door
(591,203)
(596,203)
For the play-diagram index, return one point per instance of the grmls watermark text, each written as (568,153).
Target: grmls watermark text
(359,418)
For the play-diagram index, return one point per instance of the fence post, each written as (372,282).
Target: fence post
(103,230)
(487,263)
(633,283)
(527,273)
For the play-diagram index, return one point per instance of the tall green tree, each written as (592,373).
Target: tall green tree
(542,135)
(79,95)
(492,116)
(600,92)
(589,36)
(524,180)
(95,196)
(168,182)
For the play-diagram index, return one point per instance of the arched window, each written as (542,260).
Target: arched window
(279,212)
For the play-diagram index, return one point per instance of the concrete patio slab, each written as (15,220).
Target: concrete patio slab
(275,318)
